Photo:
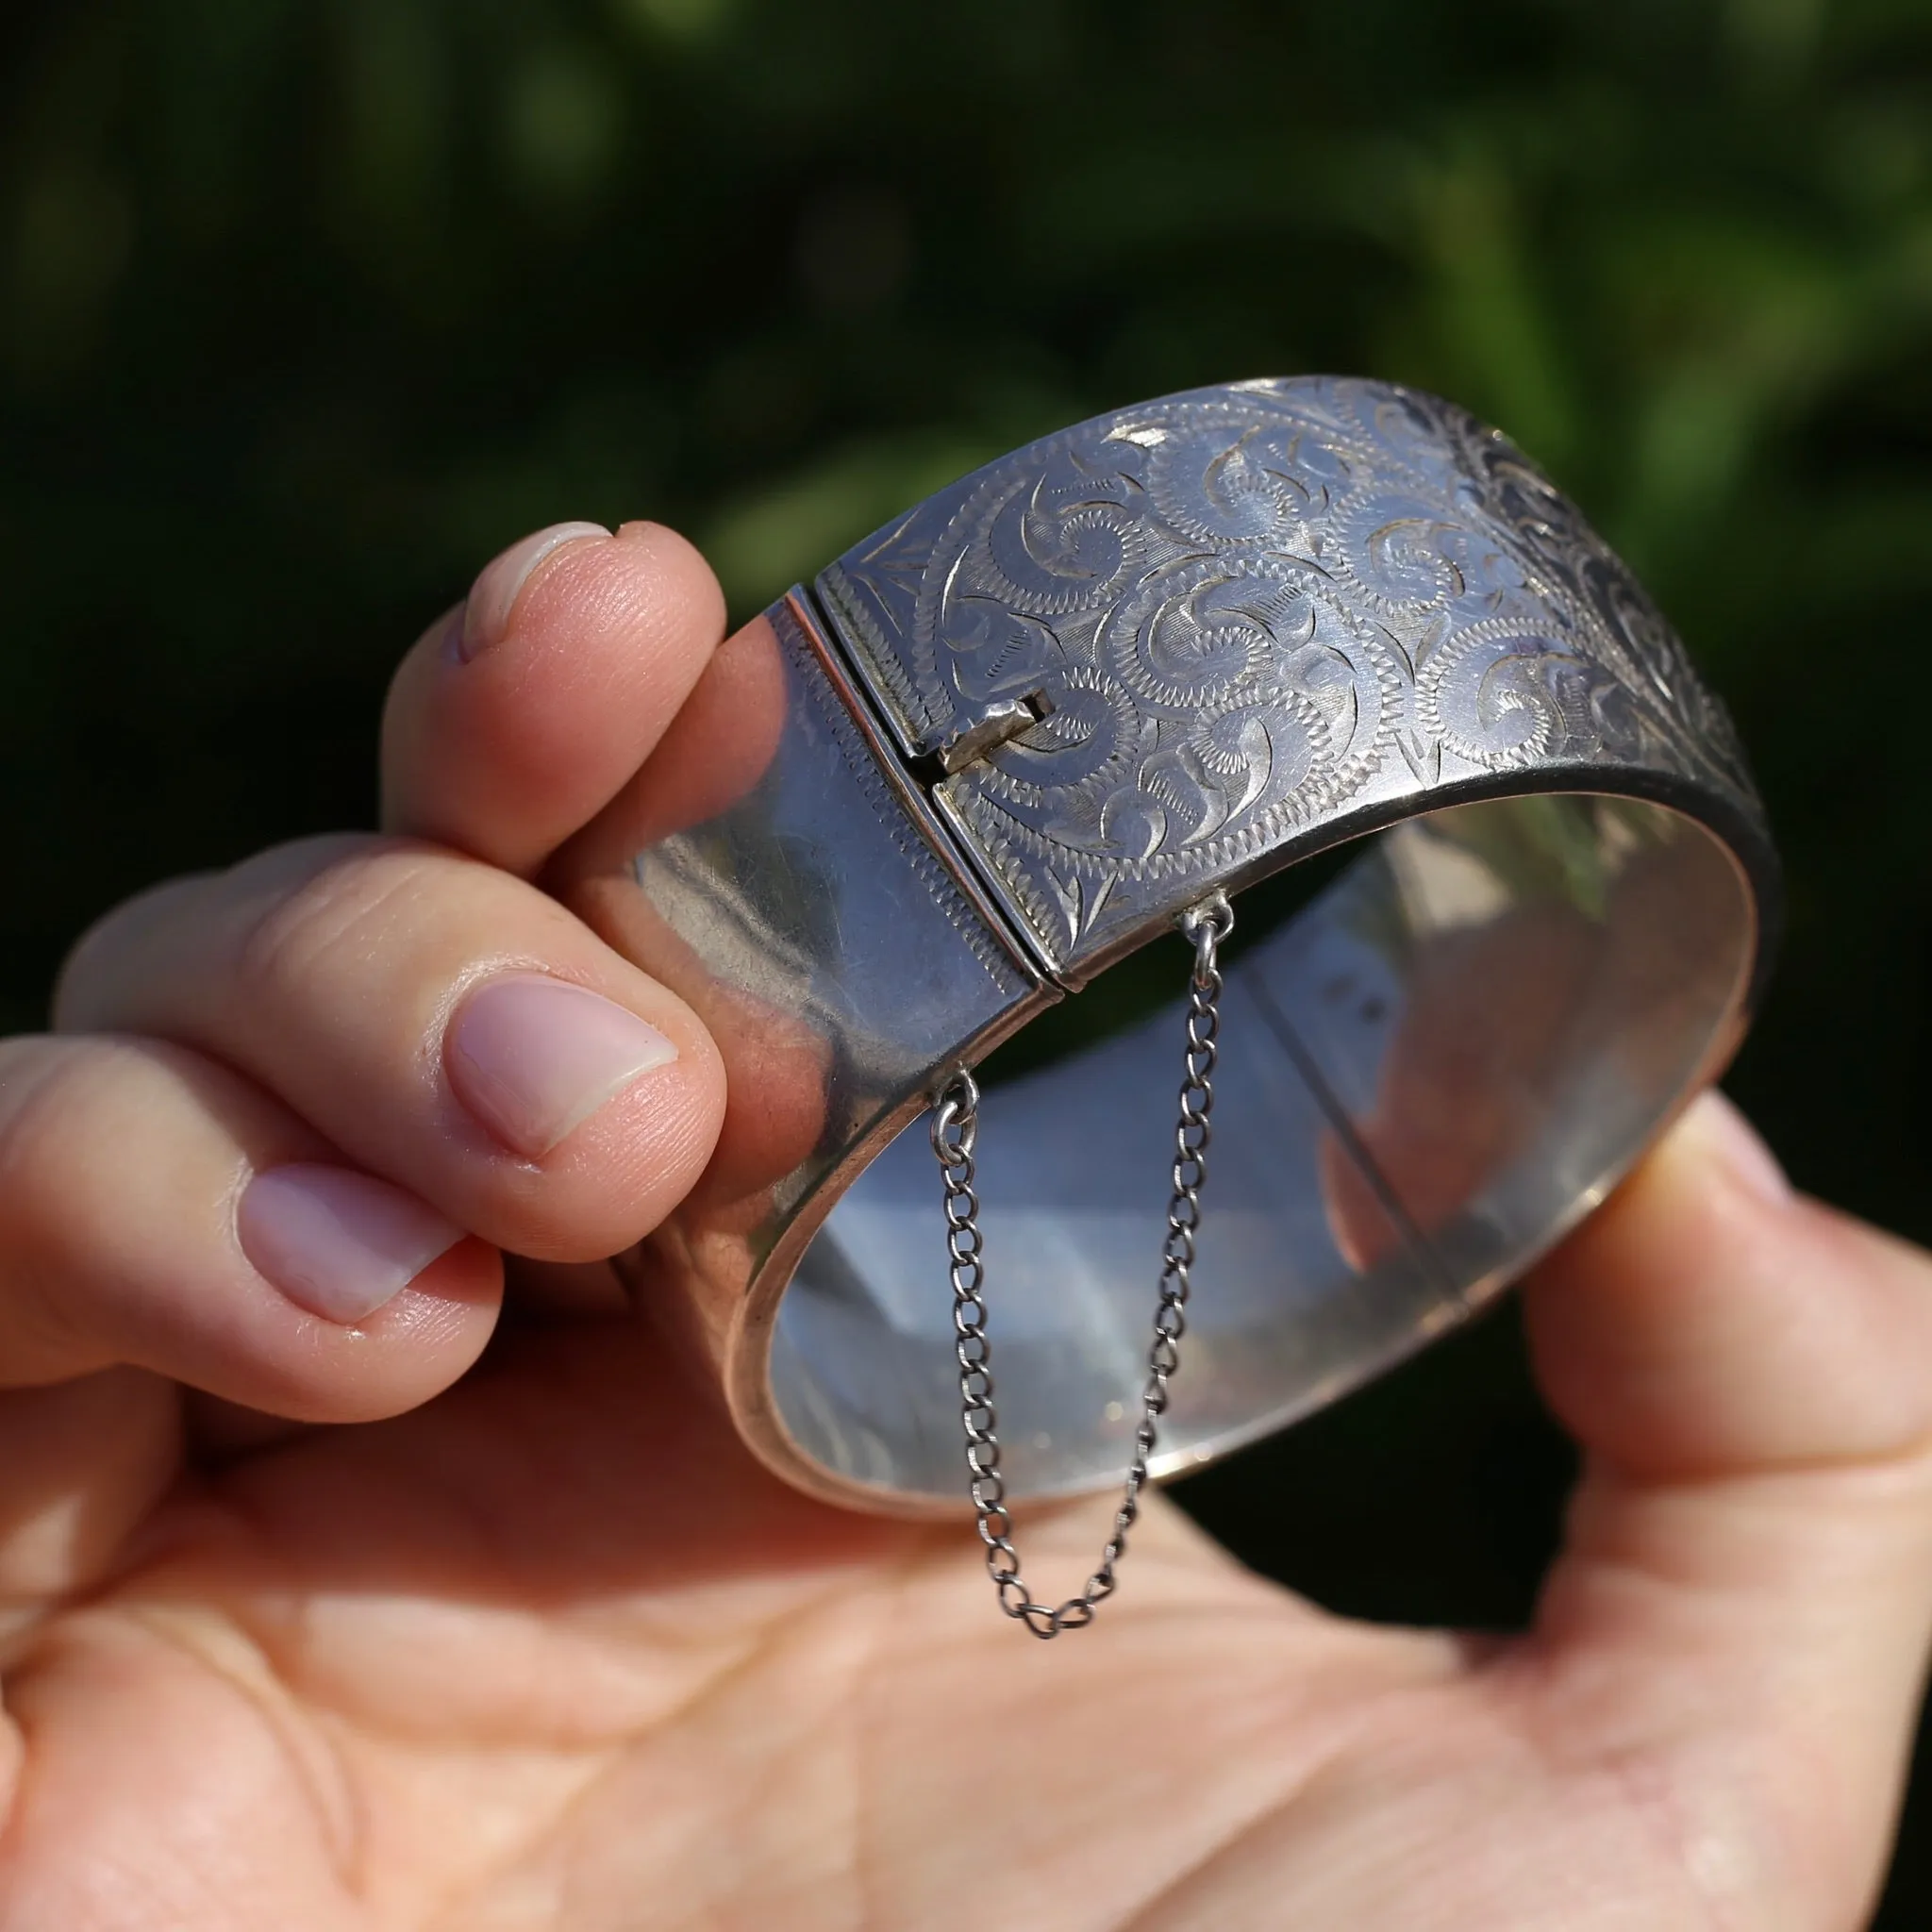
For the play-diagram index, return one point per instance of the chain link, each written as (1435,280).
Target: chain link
(955,1131)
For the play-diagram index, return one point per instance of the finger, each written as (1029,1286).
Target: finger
(517,718)
(157,1209)
(716,751)
(709,756)
(80,1466)
(1710,1322)
(1746,1590)
(448,1027)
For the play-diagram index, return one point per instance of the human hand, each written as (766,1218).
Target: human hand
(313,1625)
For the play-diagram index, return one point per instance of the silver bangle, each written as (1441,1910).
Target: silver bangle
(1006,742)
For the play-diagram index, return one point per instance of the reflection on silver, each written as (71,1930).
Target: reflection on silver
(1246,624)
(1395,1138)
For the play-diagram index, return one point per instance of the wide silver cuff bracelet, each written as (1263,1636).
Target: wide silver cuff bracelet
(999,745)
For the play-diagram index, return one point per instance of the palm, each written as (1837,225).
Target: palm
(547,1651)
(552,1652)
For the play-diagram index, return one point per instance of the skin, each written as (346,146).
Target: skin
(318,1627)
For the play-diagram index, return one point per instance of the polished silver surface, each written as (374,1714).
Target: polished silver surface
(1001,744)
(1253,611)
(1441,1064)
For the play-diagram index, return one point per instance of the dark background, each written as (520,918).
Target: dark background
(306,306)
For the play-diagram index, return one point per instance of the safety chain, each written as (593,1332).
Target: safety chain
(955,1129)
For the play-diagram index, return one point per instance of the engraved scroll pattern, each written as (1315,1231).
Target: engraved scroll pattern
(1253,607)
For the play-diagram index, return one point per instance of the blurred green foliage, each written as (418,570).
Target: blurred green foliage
(305,309)
(308,306)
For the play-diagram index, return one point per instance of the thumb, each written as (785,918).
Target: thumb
(1744,1602)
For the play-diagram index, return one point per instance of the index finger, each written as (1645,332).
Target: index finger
(520,714)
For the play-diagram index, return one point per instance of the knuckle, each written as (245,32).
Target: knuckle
(58,1106)
(46,1093)
(309,910)
(63,1102)
(86,989)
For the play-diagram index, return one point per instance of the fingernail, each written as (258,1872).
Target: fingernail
(337,1243)
(533,1056)
(494,594)
(1741,1149)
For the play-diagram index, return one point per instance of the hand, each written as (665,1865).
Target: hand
(530,1644)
